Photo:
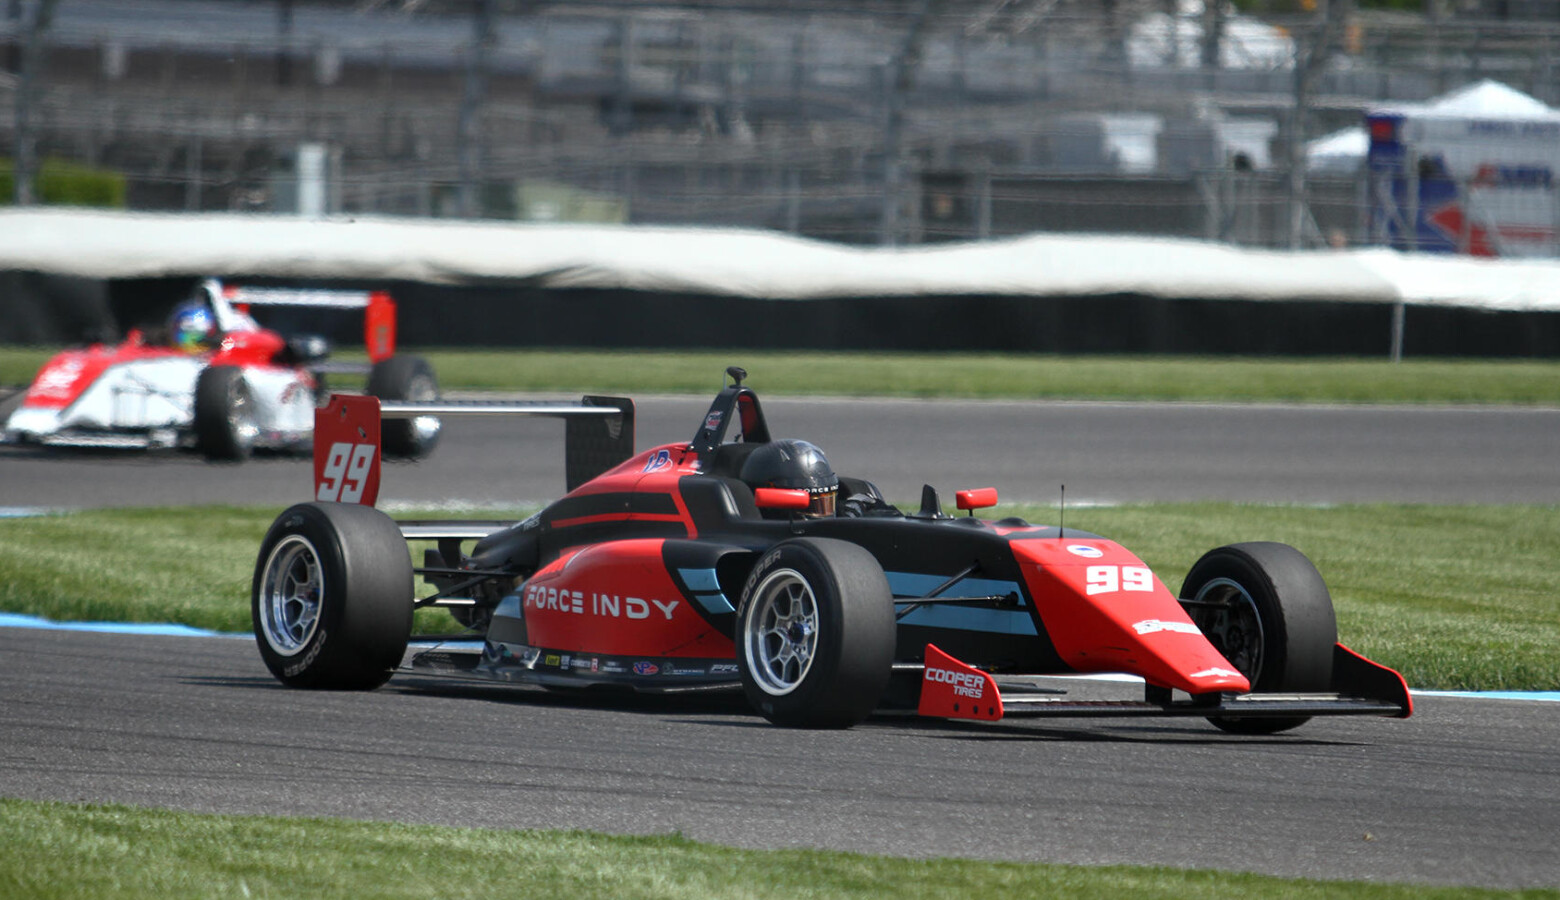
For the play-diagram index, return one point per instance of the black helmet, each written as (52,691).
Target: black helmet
(794,465)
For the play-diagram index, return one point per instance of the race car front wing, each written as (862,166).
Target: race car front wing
(951,689)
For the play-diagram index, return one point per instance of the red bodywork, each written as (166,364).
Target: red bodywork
(617,599)
(1108,612)
(68,373)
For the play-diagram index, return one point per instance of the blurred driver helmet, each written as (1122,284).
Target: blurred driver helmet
(794,465)
(193,328)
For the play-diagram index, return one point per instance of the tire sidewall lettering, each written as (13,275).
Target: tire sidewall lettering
(300,665)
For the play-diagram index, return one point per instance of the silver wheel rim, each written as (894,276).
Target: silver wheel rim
(291,591)
(782,632)
(241,418)
(1227,615)
(424,428)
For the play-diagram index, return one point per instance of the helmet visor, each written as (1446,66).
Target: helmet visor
(823,502)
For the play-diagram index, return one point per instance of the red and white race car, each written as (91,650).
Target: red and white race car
(229,388)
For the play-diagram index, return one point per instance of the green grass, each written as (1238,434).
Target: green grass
(18,364)
(994,376)
(1011,376)
(66,851)
(1454,597)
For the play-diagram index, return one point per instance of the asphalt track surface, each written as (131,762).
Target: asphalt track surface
(1101,452)
(1465,793)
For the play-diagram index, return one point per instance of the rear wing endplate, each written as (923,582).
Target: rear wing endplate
(598,434)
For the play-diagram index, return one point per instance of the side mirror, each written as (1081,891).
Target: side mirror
(781,498)
(979,498)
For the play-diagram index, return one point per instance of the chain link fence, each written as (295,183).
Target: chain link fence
(890,123)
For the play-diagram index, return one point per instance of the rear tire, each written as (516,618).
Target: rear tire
(406,378)
(225,426)
(331,598)
(815,634)
(1267,610)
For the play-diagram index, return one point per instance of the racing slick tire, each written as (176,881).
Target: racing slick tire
(331,598)
(406,378)
(1266,608)
(224,424)
(815,634)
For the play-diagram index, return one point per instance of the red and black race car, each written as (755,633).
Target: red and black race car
(717,563)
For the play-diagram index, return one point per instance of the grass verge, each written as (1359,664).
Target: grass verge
(1456,598)
(63,851)
(991,376)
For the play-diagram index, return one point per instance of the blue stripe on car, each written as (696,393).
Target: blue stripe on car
(706,590)
(963,618)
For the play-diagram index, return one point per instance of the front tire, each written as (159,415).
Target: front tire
(331,598)
(406,378)
(1265,607)
(815,634)
(225,424)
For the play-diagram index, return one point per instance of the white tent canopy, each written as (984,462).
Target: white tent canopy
(1341,152)
(1487,99)
(1344,151)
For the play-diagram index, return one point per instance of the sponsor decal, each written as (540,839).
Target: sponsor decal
(646,668)
(308,658)
(712,421)
(1085,551)
(595,664)
(1153,626)
(723,669)
(59,379)
(591,603)
(550,660)
(1215,672)
(661,460)
(670,669)
(964,684)
(613,667)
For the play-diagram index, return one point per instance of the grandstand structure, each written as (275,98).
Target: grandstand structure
(864,121)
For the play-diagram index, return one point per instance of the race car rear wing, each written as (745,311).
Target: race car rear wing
(598,434)
(378,308)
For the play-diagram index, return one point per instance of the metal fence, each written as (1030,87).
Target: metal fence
(994,119)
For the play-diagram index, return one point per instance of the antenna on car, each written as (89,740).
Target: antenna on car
(1061,516)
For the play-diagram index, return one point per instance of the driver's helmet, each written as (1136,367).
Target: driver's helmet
(794,465)
(193,327)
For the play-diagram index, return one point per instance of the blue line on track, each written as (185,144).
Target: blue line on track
(16,620)
(1550,696)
